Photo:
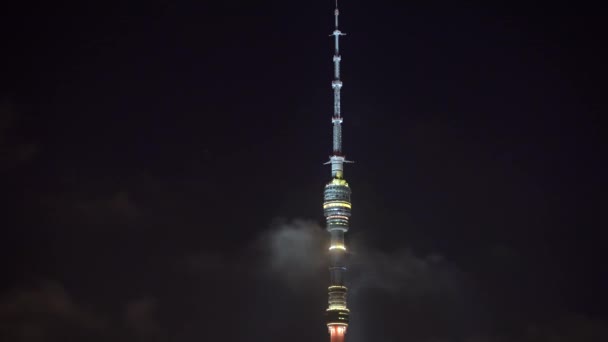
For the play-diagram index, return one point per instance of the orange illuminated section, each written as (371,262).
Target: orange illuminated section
(337,333)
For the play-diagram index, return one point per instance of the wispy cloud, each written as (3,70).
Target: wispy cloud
(45,312)
(14,148)
(295,251)
(140,316)
(116,208)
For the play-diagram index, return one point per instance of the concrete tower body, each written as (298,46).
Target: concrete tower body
(337,209)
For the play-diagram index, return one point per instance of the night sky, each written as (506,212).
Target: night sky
(161,171)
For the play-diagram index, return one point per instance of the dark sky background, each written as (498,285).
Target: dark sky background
(161,170)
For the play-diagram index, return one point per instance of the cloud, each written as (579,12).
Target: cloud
(8,118)
(14,149)
(116,208)
(140,317)
(385,286)
(275,288)
(295,251)
(565,328)
(47,312)
(402,272)
(118,205)
(205,262)
(569,328)
(44,313)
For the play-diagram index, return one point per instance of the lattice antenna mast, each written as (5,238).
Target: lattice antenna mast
(337,159)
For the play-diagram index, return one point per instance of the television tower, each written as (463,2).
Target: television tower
(336,209)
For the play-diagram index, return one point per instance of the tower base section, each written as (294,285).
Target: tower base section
(337,332)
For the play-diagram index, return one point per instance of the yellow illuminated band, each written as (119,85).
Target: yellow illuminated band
(337,247)
(337,205)
(337,287)
(337,217)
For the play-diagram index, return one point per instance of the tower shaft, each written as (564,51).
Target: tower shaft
(337,209)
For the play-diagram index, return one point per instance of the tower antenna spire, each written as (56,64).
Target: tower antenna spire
(337,14)
(337,158)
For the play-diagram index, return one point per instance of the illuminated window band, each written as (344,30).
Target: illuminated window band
(336,287)
(336,323)
(337,223)
(337,204)
(337,247)
(337,217)
(335,307)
